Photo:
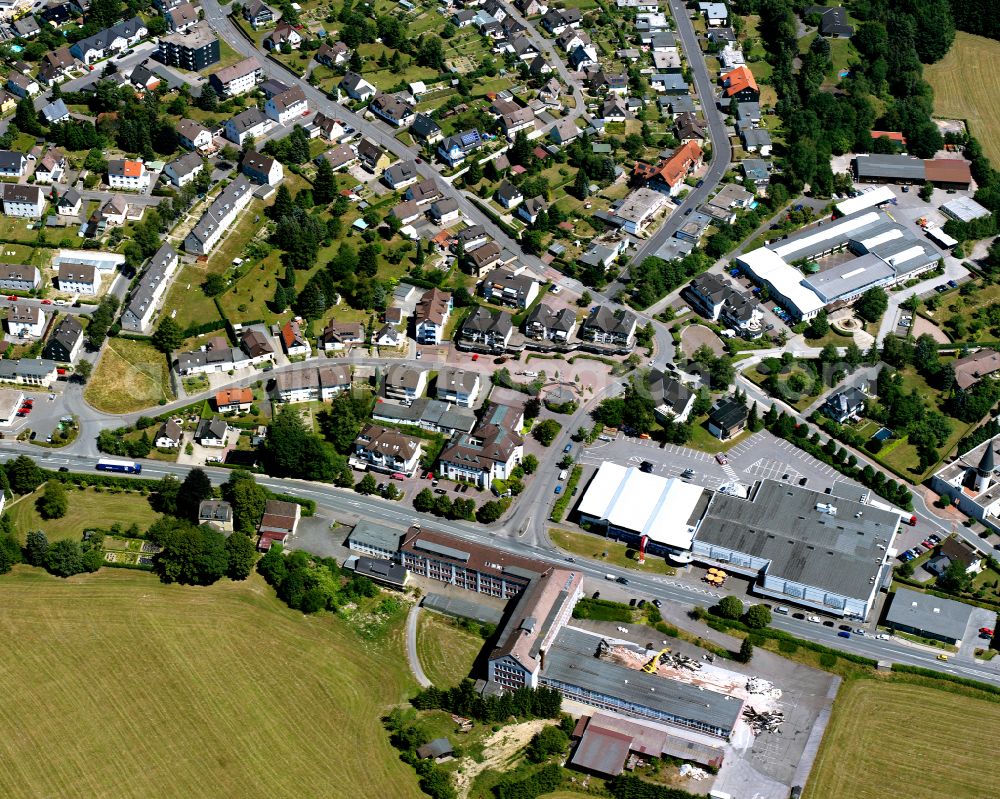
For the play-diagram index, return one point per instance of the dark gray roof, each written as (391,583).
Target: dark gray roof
(377,535)
(941,617)
(780,523)
(429,412)
(900,167)
(572,660)
(424,126)
(481,320)
(384,571)
(668,391)
(987,463)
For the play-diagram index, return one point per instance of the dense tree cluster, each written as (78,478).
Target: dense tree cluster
(311,584)
(101,321)
(522,703)
(293,451)
(654,278)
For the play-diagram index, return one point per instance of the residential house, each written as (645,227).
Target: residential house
(128,175)
(143,302)
(727,418)
(19,277)
(740,85)
(564,132)
(490,452)
(688,128)
(400,175)
(357,88)
(757,171)
(26,27)
(329,128)
(193,136)
(65,341)
(406,211)
(716,14)
(955,549)
(614,110)
(294,340)
(583,56)
(184,170)
(453,150)
(217,514)
(672,172)
(514,289)
(388,336)
(290,104)
(546,324)
(257,346)
(29,371)
(426,191)
(484,258)
(57,66)
(337,336)
(22,85)
(212,432)
(457,386)
(444,211)
(262,169)
(240,78)
(372,157)
(487,330)
(531,208)
(169,436)
(509,195)
(258,14)
(757,140)
(233,400)
(252,123)
(521,119)
(341,157)
(672,400)
(845,404)
(56,112)
(426,129)
(22,200)
(611,328)
(430,317)
(181,18)
(383,449)
(283,34)
(297,385)
(51,167)
(404,382)
(25,322)
(219,216)
(970,369)
(79,278)
(471,237)
(118,37)
(832,21)
(557,20)
(396,109)
(12,165)
(332,55)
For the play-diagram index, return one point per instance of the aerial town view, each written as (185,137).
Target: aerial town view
(500,399)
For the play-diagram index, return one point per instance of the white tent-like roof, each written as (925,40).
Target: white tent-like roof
(645,504)
(865,200)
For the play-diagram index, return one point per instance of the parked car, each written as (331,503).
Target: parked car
(721,459)
(440,491)
(814,619)
(558,489)
(844,634)
(953,284)
(568,448)
(687,474)
(646,467)
(621,581)
(657,603)
(986,631)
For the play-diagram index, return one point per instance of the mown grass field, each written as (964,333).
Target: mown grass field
(446,651)
(130,688)
(130,376)
(87,509)
(591,545)
(897,739)
(966,84)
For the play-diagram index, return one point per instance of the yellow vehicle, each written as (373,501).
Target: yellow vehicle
(650,668)
(942,657)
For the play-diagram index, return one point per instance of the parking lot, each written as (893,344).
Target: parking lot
(760,457)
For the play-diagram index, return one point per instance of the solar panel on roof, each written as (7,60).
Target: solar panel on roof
(470,138)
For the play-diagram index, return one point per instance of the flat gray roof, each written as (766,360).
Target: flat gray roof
(572,659)
(463,608)
(849,277)
(890,166)
(377,535)
(942,617)
(781,524)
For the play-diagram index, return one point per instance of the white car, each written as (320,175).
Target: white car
(555,289)
(814,619)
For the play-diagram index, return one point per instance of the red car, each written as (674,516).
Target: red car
(986,631)
(12,298)
(46,302)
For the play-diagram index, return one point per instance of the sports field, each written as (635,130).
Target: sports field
(901,740)
(130,376)
(123,687)
(966,84)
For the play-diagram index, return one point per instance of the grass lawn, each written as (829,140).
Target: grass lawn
(172,691)
(13,228)
(832,337)
(87,509)
(855,761)
(446,651)
(21,254)
(130,376)
(965,87)
(702,440)
(592,545)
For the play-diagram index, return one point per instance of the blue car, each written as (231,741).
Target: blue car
(558,489)
(952,283)
(734,272)
(568,448)
(844,634)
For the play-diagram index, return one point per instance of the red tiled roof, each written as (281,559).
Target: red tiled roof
(232,396)
(739,79)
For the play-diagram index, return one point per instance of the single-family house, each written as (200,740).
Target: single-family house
(404,382)
(169,436)
(78,278)
(252,123)
(193,136)
(383,449)
(184,169)
(22,200)
(233,400)
(337,336)
(431,316)
(294,340)
(727,418)
(262,169)
(396,109)
(212,432)
(289,105)
(26,322)
(65,341)
(400,175)
(357,88)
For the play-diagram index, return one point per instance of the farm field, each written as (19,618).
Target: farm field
(965,85)
(87,509)
(864,756)
(131,375)
(157,690)
(446,651)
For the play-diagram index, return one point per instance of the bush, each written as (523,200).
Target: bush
(545,432)
(827,660)
(729,607)
(758,616)
(788,647)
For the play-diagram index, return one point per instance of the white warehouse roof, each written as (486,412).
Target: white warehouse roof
(765,265)
(838,231)
(865,200)
(645,504)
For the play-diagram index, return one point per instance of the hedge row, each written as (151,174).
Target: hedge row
(922,587)
(902,668)
(559,508)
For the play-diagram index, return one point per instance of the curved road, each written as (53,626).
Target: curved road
(411,647)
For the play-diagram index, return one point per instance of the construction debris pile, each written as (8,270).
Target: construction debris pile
(693,772)
(763,721)
(761,687)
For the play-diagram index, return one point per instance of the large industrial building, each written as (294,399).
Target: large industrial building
(631,505)
(801,546)
(884,254)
